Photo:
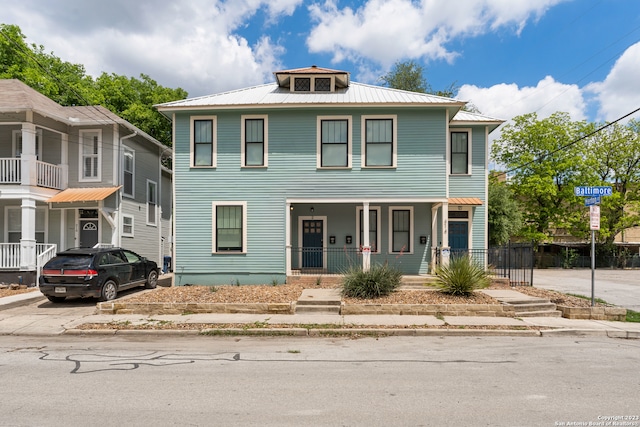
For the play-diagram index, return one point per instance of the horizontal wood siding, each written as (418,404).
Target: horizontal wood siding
(292,173)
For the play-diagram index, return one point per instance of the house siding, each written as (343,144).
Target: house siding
(293,173)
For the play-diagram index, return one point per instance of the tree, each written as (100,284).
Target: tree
(67,84)
(505,219)
(409,75)
(545,169)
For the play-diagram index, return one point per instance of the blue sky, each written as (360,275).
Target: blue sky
(508,57)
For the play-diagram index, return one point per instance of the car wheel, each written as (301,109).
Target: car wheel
(152,280)
(109,291)
(56,299)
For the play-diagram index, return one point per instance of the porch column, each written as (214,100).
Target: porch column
(287,238)
(28,155)
(64,160)
(445,249)
(366,247)
(434,234)
(28,235)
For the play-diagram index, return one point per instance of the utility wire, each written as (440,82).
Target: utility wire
(600,129)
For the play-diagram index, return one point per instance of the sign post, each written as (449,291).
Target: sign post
(593,195)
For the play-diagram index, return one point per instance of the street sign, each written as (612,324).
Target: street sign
(590,201)
(594,216)
(592,191)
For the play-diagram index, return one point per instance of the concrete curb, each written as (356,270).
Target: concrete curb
(21,300)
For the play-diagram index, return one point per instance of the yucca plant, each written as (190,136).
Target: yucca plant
(461,276)
(379,281)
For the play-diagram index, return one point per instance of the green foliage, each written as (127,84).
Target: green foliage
(68,84)
(409,75)
(633,316)
(569,258)
(505,219)
(379,281)
(461,276)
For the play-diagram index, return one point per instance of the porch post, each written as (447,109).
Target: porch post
(28,155)
(446,250)
(366,247)
(28,235)
(287,238)
(434,234)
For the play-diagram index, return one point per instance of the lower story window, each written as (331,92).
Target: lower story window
(229,227)
(401,229)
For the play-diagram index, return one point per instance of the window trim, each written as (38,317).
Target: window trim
(469,150)
(312,83)
(126,150)
(468,220)
(81,157)
(18,133)
(378,241)
(411,228)
(214,206)
(156,204)
(319,121)
(394,143)
(265,141)
(18,208)
(124,233)
(214,141)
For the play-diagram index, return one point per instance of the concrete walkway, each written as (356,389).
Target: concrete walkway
(17,320)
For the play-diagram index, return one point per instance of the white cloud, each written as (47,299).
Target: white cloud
(190,44)
(388,30)
(619,93)
(506,101)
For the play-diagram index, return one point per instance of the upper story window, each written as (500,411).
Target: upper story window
(90,155)
(334,142)
(128,171)
(302,84)
(17,143)
(379,141)
(460,149)
(255,144)
(312,84)
(203,141)
(322,84)
(152,202)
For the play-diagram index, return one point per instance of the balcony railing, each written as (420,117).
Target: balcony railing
(48,175)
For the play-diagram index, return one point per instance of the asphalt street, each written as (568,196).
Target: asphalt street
(619,287)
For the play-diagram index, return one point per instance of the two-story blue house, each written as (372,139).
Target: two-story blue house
(313,173)
(76,177)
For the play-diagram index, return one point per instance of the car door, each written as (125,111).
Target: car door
(116,265)
(137,264)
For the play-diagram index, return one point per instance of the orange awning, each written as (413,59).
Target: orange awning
(83,194)
(465,201)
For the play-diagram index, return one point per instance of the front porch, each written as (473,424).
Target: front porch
(14,261)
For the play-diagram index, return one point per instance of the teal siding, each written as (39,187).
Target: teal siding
(292,173)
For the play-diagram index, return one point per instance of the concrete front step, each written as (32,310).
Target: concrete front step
(548,313)
(318,309)
(319,301)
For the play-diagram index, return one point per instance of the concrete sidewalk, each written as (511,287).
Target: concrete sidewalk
(14,321)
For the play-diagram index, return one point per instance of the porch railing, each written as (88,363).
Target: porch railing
(10,254)
(45,253)
(324,260)
(48,175)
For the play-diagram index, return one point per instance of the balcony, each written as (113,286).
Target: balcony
(47,174)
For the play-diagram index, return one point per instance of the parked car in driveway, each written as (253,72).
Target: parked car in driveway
(96,272)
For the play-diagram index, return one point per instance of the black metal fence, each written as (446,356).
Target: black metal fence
(513,261)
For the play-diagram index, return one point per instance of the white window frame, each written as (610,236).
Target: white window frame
(469,150)
(378,242)
(17,143)
(125,151)
(312,84)
(39,209)
(214,137)
(126,217)
(394,144)
(265,142)
(156,204)
(411,228)
(82,135)
(214,206)
(319,141)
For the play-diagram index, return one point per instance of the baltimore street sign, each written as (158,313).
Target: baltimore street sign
(592,191)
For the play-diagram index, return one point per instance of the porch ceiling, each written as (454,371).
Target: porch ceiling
(83,194)
(465,201)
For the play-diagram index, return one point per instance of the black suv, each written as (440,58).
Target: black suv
(95,272)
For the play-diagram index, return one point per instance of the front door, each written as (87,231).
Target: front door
(312,232)
(458,235)
(88,228)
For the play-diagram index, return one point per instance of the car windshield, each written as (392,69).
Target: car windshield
(69,262)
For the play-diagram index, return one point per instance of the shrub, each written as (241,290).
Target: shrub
(379,281)
(462,276)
